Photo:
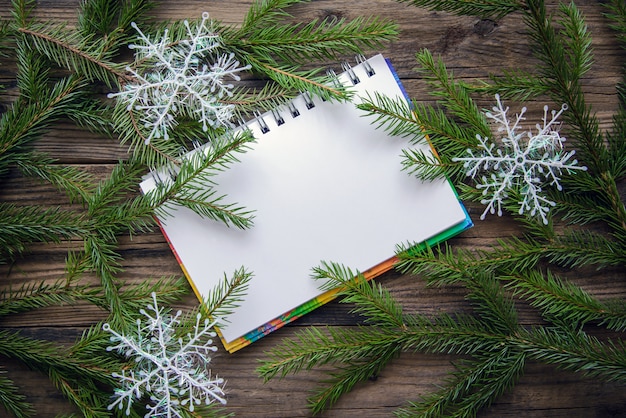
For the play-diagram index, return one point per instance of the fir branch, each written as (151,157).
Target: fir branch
(394,115)
(89,399)
(192,185)
(40,295)
(495,9)
(224,298)
(266,14)
(557,298)
(291,79)
(372,301)
(32,75)
(476,384)
(21,10)
(77,184)
(94,116)
(25,122)
(313,347)
(105,19)
(348,376)
(114,190)
(560,57)
(513,84)
(12,400)
(21,226)
(71,51)
(616,11)
(167,290)
(101,258)
(270,96)
(573,349)
(5,34)
(575,249)
(300,44)
(421,124)
(45,356)
(495,308)
(453,95)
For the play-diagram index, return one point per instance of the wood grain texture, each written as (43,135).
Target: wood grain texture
(471,48)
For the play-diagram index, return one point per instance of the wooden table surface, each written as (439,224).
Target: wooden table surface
(471,48)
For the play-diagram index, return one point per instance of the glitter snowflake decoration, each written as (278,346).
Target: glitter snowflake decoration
(525,162)
(171,371)
(185,77)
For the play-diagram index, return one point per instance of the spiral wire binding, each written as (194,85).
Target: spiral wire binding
(369,70)
(278,117)
(347,68)
(293,110)
(264,128)
(307,100)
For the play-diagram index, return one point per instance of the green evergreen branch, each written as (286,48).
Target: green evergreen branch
(476,384)
(58,46)
(86,396)
(32,73)
(557,298)
(420,123)
(291,79)
(453,95)
(495,308)
(269,97)
(112,22)
(372,301)
(393,115)
(616,11)
(45,356)
(266,13)
(101,258)
(21,10)
(316,347)
(77,184)
(513,84)
(495,9)
(584,248)
(21,226)
(348,376)
(565,58)
(575,350)
(12,400)
(5,34)
(300,44)
(23,123)
(40,295)
(226,296)
(191,186)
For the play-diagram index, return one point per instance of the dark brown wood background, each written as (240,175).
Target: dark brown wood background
(471,48)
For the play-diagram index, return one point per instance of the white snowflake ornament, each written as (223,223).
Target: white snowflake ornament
(171,371)
(526,162)
(177,78)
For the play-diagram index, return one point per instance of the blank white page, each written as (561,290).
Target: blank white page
(326,185)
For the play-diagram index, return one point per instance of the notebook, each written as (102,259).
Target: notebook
(325,185)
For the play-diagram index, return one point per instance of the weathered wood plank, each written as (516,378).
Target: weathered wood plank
(471,48)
